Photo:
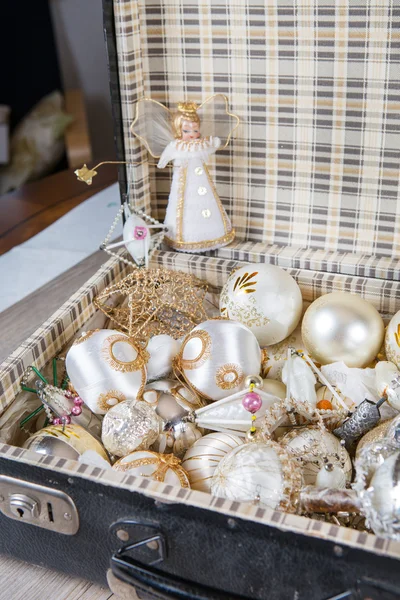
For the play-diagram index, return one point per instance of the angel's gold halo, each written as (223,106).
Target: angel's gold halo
(191,109)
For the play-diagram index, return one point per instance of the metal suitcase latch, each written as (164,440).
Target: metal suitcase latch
(369,589)
(38,505)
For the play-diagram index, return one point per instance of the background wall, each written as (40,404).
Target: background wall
(78,28)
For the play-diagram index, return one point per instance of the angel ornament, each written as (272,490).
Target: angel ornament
(195,217)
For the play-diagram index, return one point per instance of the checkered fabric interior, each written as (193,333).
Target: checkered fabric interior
(315,162)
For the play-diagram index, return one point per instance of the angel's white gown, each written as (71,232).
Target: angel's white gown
(195,217)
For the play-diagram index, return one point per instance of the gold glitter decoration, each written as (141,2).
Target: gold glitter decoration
(86,175)
(222,376)
(397,335)
(206,343)
(119,365)
(110,395)
(155,301)
(162,462)
(85,336)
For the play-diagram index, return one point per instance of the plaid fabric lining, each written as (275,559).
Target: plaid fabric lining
(315,162)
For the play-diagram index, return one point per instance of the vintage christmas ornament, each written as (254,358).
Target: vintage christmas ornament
(366,416)
(64,407)
(162,350)
(342,327)
(176,434)
(130,426)
(275,388)
(392,340)
(106,367)
(300,381)
(266,299)
(185,397)
(388,383)
(216,357)
(260,472)
(326,399)
(65,441)
(274,357)
(165,468)
(377,434)
(316,449)
(237,413)
(201,460)
(155,302)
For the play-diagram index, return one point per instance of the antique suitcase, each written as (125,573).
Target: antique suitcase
(311,183)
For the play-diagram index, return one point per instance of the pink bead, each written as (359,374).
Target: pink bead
(66,420)
(56,421)
(68,394)
(78,401)
(76,411)
(252,402)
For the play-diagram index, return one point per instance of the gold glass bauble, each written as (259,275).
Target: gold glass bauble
(165,468)
(265,298)
(377,434)
(342,327)
(69,441)
(201,460)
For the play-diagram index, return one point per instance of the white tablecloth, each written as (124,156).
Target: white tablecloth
(66,242)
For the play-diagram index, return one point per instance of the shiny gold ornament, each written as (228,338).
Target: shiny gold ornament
(69,441)
(165,468)
(201,460)
(342,327)
(156,301)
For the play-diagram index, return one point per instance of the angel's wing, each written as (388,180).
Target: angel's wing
(152,125)
(217,120)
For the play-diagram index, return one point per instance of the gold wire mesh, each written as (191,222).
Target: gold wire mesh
(155,301)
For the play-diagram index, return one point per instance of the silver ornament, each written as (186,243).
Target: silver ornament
(130,426)
(265,298)
(65,441)
(342,327)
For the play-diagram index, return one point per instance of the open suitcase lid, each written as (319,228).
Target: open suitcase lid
(311,178)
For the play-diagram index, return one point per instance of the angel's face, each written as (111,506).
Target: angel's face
(190,131)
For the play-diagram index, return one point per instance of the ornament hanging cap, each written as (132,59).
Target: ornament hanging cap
(188,109)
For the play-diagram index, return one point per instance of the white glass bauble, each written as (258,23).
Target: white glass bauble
(300,380)
(342,327)
(201,460)
(162,350)
(106,367)
(216,357)
(274,357)
(265,298)
(315,448)
(165,468)
(383,497)
(130,426)
(385,373)
(136,236)
(392,340)
(258,472)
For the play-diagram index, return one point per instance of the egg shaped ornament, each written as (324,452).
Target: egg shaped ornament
(388,383)
(136,236)
(65,441)
(106,367)
(216,357)
(130,426)
(165,468)
(342,327)
(321,457)
(392,340)
(262,473)
(162,350)
(266,299)
(201,460)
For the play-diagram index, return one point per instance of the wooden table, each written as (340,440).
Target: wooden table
(25,213)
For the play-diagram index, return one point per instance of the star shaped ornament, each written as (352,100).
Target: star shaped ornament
(86,175)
